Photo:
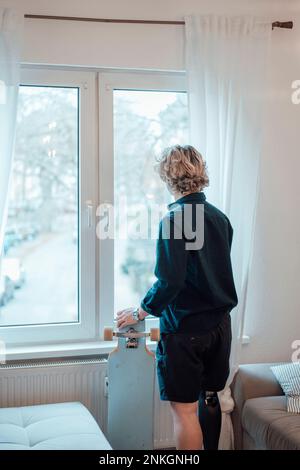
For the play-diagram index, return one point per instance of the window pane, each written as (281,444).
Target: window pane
(145,122)
(39,275)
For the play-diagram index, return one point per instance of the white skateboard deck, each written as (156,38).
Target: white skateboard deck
(131,374)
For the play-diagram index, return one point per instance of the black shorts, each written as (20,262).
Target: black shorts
(189,363)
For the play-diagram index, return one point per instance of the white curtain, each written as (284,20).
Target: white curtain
(225,62)
(10,41)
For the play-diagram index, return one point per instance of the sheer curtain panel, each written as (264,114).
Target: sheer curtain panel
(225,62)
(10,41)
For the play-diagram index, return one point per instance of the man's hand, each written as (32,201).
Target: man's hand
(125,318)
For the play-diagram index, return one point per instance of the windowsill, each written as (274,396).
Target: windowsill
(96,348)
(70,350)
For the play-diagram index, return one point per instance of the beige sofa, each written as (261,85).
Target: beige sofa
(260,419)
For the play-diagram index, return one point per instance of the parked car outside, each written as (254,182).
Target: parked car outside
(11,238)
(14,270)
(6,290)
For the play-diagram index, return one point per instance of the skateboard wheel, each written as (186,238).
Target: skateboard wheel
(154,334)
(108,334)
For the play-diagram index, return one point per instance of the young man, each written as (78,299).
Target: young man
(193,296)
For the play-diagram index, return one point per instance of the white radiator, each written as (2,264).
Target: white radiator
(72,380)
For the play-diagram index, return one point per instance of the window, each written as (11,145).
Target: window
(144,123)
(40,263)
(140,114)
(74,153)
(47,284)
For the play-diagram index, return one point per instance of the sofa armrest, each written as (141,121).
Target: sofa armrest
(251,381)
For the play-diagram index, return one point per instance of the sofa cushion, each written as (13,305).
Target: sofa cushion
(55,426)
(268,423)
(288,375)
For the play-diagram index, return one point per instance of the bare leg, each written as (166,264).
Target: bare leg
(187,429)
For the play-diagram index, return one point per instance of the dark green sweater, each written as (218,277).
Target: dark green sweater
(195,285)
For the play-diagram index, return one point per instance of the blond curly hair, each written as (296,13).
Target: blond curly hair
(183,169)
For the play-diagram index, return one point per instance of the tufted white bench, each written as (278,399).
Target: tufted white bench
(48,427)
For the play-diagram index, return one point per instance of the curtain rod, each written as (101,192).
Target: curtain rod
(275,24)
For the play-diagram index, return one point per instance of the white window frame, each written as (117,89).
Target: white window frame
(108,82)
(85,329)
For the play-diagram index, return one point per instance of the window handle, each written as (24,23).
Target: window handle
(89,210)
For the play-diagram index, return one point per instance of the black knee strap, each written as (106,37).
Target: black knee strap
(211,399)
(210,419)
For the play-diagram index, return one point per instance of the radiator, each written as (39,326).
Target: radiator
(72,380)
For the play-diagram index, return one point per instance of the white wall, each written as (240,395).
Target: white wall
(121,45)
(273,314)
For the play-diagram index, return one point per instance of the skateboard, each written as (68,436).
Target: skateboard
(131,378)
